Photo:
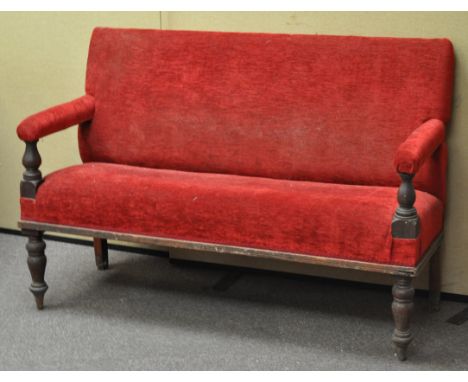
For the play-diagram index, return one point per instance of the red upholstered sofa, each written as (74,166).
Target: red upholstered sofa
(327,150)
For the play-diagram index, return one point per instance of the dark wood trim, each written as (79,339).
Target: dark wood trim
(101,253)
(445,296)
(405,222)
(36,263)
(252,252)
(435,280)
(402,307)
(32,177)
(89,243)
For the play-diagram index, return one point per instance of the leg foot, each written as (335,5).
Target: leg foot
(400,353)
(435,281)
(403,293)
(37,263)
(101,253)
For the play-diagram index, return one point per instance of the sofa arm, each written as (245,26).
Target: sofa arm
(44,123)
(411,155)
(56,118)
(419,146)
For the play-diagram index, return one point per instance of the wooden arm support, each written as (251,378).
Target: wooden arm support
(32,177)
(405,222)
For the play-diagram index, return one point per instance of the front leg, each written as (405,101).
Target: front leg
(37,264)
(402,306)
(405,225)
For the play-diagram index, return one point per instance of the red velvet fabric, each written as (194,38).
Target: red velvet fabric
(56,118)
(306,107)
(419,146)
(332,220)
(281,142)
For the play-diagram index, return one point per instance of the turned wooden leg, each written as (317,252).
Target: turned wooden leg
(37,264)
(435,281)
(101,253)
(403,293)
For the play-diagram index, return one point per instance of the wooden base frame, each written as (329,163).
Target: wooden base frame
(403,291)
(241,251)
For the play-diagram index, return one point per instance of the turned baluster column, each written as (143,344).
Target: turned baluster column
(36,264)
(402,306)
(405,225)
(35,246)
(32,177)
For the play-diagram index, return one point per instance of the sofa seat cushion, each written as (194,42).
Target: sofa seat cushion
(323,219)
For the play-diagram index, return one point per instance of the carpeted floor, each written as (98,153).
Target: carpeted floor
(145,313)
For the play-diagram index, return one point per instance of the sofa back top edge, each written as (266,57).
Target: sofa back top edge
(295,106)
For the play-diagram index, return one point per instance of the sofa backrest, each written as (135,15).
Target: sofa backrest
(309,107)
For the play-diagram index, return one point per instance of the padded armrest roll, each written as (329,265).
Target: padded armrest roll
(419,146)
(56,118)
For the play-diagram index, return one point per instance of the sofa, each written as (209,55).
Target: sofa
(312,149)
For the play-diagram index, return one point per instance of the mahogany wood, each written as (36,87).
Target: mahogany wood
(101,253)
(405,223)
(435,273)
(402,306)
(241,251)
(32,177)
(37,264)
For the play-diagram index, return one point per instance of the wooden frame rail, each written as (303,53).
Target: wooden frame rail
(241,251)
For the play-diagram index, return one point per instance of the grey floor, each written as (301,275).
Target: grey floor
(144,313)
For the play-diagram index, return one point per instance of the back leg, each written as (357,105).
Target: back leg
(101,253)
(435,281)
